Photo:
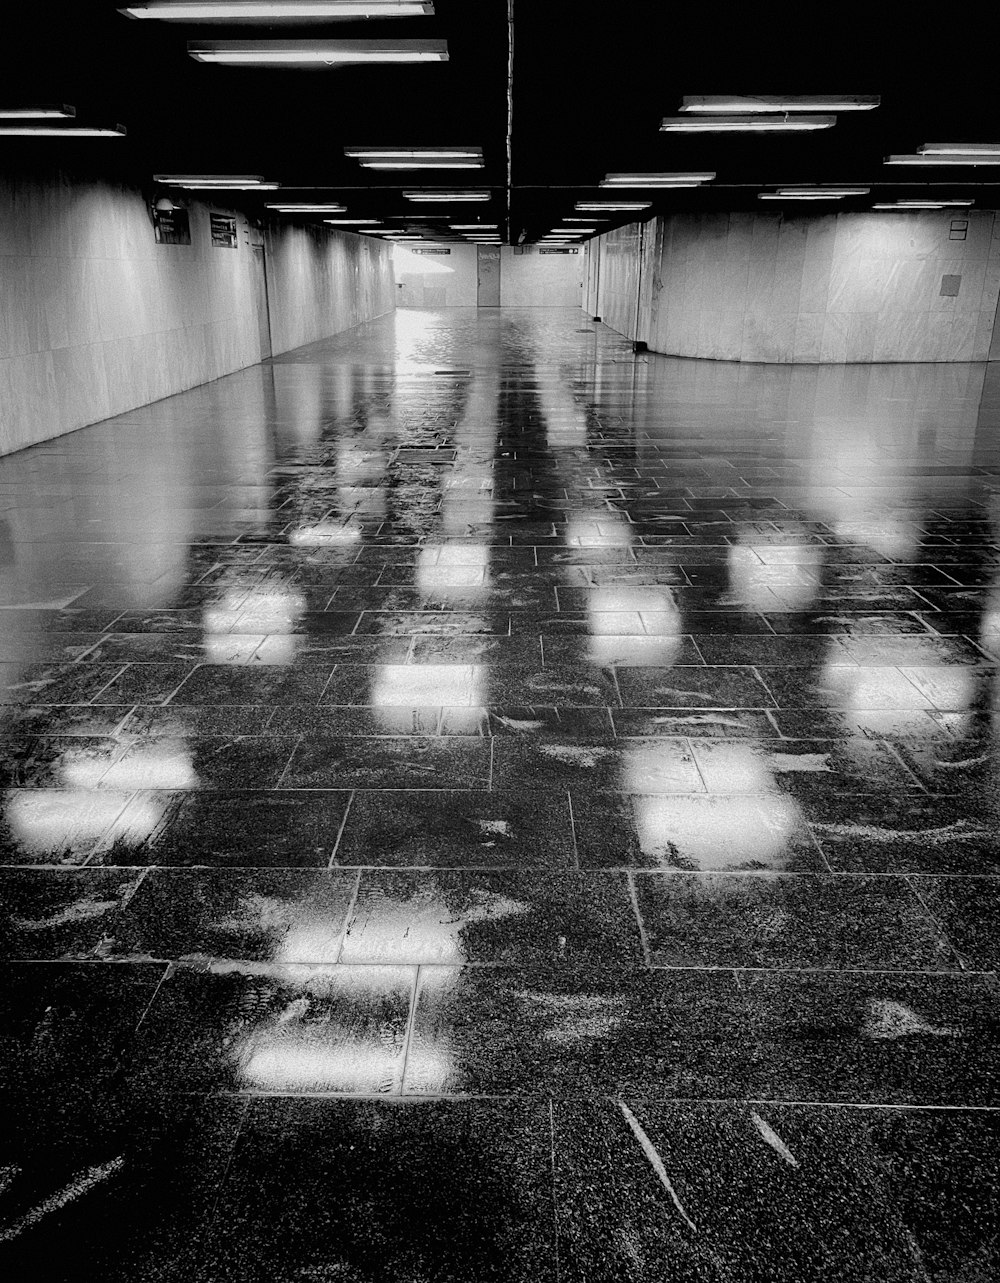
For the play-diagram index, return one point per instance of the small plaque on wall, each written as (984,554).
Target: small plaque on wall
(171,227)
(558,251)
(223,231)
(430,251)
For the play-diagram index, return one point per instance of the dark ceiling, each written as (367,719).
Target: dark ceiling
(591,84)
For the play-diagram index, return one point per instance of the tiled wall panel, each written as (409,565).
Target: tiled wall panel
(540,280)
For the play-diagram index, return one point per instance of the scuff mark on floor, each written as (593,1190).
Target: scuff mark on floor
(649,1149)
(77,1187)
(773,1139)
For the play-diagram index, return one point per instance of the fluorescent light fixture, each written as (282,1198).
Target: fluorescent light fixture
(27,129)
(656,180)
(212,180)
(417,157)
(473,227)
(730,104)
(934,201)
(315,53)
(800,196)
(979,158)
(43,111)
(578,231)
(585,220)
(307,209)
(353,222)
(745,124)
(823,191)
(612,204)
(959,149)
(275,10)
(903,205)
(440,196)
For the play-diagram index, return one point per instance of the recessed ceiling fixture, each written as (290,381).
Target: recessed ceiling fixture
(931,158)
(417,157)
(353,222)
(275,10)
(235,181)
(40,129)
(327,208)
(440,196)
(959,149)
(728,104)
(473,227)
(744,124)
(315,53)
(44,111)
(656,180)
(611,204)
(910,206)
(832,190)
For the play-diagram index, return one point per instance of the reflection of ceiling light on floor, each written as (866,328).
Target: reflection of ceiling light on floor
(426,685)
(324,535)
(714,832)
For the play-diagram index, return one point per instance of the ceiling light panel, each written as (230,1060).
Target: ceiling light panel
(316,53)
(729,104)
(745,124)
(275,10)
(283,208)
(612,204)
(40,129)
(978,158)
(823,191)
(473,227)
(959,149)
(43,111)
(430,196)
(656,180)
(353,222)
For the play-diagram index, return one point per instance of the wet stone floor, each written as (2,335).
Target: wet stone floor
(480,803)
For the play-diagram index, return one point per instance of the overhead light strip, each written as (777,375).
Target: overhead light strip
(275,10)
(316,53)
(730,104)
(746,124)
(657,180)
(70,130)
(43,111)
(959,149)
(437,197)
(978,158)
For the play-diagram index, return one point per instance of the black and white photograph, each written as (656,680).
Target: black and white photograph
(499,642)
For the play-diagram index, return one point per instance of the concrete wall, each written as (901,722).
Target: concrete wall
(532,279)
(321,282)
(432,280)
(783,288)
(97,319)
(528,279)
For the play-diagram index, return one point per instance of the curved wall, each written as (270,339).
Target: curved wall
(780,288)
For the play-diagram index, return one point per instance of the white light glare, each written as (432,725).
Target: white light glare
(744,124)
(271,10)
(317,53)
(764,103)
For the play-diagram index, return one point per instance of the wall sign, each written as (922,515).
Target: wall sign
(223,231)
(558,251)
(430,251)
(958,230)
(171,227)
